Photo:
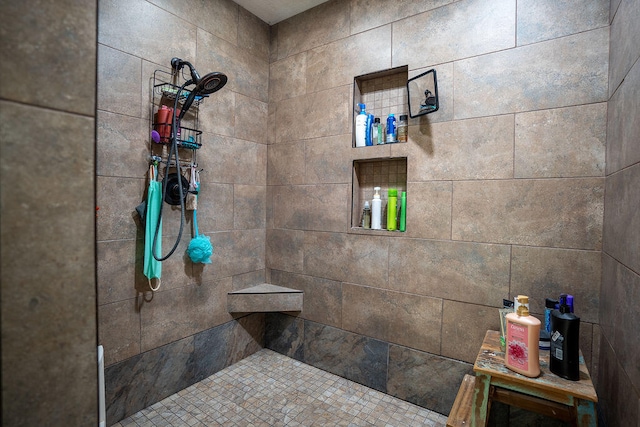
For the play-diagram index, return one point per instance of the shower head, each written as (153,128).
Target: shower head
(206,85)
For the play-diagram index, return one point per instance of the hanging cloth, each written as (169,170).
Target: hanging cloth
(153,267)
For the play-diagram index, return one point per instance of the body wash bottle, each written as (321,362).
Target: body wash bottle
(523,335)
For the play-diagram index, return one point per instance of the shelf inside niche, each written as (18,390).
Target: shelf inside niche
(385,172)
(383,92)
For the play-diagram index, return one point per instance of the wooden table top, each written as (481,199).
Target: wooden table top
(490,361)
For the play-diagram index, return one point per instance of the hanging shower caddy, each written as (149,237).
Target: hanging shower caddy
(165,89)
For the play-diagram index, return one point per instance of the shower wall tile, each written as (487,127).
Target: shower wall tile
(547,272)
(178,270)
(285,335)
(613,7)
(617,398)
(619,288)
(424,379)
(47,228)
(249,203)
(248,73)
(400,318)
(460,30)
(215,206)
(328,160)
(211,350)
(355,357)
(117,199)
(122,145)
(549,19)
(554,212)
(286,163)
(567,71)
(625,42)
(285,250)
(219,17)
(347,257)
(253,34)
(251,119)
(119,82)
(623,132)
(463,149)
(562,142)
(248,337)
(233,161)
(622,206)
(292,206)
(330,207)
(316,27)
(312,207)
(287,77)
(322,297)
(429,209)
(333,64)
(235,252)
(174,314)
(461,271)
(368,14)
(147,378)
(120,270)
(144,30)
(608,307)
(53,55)
(461,338)
(119,330)
(217,115)
(246,280)
(315,115)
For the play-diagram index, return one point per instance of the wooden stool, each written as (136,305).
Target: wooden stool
(548,394)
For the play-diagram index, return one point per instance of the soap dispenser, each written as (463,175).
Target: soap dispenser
(523,336)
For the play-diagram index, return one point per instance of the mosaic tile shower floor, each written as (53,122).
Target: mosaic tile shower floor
(269,389)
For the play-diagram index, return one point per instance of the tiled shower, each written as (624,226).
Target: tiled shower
(508,188)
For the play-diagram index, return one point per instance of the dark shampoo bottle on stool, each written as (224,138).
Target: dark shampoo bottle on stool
(564,357)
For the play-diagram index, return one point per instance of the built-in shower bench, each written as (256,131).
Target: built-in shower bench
(264,297)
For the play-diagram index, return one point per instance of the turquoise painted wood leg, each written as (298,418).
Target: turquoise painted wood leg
(479,409)
(587,416)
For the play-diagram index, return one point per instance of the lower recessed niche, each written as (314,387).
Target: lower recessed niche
(386,173)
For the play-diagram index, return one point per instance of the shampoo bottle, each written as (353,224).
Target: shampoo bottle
(523,335)
(361,127)
(376,209)
(392,210)
(391,129)
(564,355)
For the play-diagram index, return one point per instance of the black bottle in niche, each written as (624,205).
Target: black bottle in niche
(564,359)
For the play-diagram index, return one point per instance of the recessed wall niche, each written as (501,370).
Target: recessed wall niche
(386,173)
(383,92)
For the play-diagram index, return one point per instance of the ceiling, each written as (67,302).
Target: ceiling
(274,11)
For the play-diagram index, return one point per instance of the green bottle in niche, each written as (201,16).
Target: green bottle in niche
(403,211)
(392,209)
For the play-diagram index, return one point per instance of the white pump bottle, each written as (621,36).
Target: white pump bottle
(376,210)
